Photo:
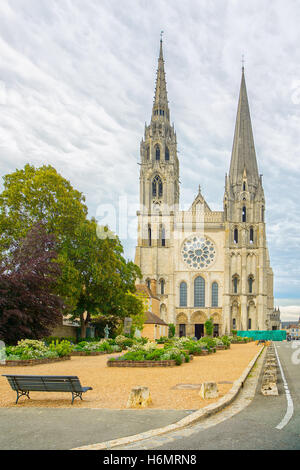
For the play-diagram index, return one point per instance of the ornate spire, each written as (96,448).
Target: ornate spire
(160,106)
(243,157)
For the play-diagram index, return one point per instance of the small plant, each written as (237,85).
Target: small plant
(172,330)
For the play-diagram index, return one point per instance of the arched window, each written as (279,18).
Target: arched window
(183,294)
(262,214)
(214,294)
(148,152)
(162,286)
(233,323)
(244,214)
(157,187)
(149,235)
(167,154)
(236,235)
(157,152)
(244,186)
(235,281)
(250,284)
(148,282)
(199,292)
(163,236)
(249,324)
(251,235)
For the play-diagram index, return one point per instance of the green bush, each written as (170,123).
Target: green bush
(62,348)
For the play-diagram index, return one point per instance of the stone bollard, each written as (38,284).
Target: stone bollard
(269,388)
(139,397)
(209,390)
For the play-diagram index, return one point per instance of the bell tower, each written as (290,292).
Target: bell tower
(248,277)
(159,175)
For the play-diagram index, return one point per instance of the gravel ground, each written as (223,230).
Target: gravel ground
(111,386)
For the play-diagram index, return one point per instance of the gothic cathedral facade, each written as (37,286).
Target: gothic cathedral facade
(201,263)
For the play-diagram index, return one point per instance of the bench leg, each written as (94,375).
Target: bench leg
(75,395)
(21,394)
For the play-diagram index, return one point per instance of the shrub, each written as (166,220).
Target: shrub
(172,330)
(62,348)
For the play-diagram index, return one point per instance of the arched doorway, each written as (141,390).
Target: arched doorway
(197,323)
(181,325)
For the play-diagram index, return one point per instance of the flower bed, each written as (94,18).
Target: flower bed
(170,363)
(30,352)
(34,362)
(88,353)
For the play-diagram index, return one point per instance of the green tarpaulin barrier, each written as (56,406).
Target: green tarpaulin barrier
(273,335)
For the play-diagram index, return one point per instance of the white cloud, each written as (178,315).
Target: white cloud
(77,83)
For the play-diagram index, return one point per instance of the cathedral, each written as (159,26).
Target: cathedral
(201,263)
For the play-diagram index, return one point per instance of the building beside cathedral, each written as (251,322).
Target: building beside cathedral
(204,264)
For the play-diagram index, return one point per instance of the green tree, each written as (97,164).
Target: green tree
(95,278)
(104,280)
(34,195)
(209,327)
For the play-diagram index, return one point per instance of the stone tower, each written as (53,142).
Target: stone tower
(248,277)
(159,181)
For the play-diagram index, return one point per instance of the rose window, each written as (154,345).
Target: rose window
(198,252)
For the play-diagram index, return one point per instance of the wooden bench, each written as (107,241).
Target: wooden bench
(23,384)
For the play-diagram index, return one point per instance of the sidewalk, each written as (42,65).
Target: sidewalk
(63,429)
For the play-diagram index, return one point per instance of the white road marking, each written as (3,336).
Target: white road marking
(290,405)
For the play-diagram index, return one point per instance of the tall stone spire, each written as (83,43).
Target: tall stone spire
(243,157)
(160,109)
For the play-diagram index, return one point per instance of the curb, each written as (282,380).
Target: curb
(187,421)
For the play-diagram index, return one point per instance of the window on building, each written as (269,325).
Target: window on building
(157,187)
(244,186)
(162,286)
(235,281)
(262,214)
(244,214)
(183,294)
(148,283)
(157,152)
(249,324)
(236,235)
(251,235)
(250,283)
(199,292)
(167,154)
(148,152)
(163,236)
(214,294)
(149,235)
(233,323)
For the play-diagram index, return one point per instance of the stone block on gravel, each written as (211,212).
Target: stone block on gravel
(139,397)
(209,390)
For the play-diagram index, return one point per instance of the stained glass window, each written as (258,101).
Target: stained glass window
(214,294)
(183,294)
(199,292)
(198,252)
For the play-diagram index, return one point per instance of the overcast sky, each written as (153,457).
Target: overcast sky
(77,83)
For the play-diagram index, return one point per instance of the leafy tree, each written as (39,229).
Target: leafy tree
(95,278)
(28,306)
(209,327)
(104,279)
(34,195)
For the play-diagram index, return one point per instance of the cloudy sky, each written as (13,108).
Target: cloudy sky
(77,83)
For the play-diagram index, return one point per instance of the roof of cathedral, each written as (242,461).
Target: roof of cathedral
(154,319)
(243,156)
(199,202)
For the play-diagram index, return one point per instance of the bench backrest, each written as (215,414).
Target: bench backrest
(44,383)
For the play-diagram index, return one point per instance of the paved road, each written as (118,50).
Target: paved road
(253,428)
(63,429)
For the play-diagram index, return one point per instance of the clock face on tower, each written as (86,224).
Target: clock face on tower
(198,252)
